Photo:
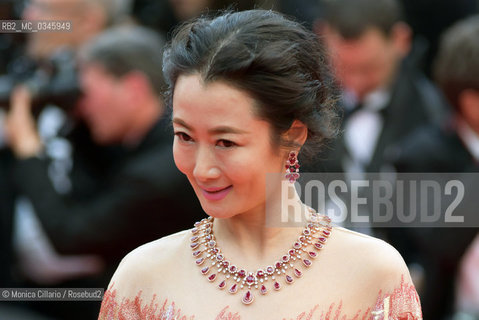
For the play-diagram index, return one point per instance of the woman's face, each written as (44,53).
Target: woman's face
(222,147)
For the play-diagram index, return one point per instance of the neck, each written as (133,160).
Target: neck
(257,238)
(145,117)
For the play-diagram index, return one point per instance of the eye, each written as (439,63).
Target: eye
(226,143)
(183,137)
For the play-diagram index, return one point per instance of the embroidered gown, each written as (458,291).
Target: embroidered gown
(398,302)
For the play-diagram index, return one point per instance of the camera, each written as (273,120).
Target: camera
(53,82)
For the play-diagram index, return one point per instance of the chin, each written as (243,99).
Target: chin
(216,211)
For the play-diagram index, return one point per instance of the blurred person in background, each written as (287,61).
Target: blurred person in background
(87,18)
(384,96)
(36,258)
(121,77)
(451,147)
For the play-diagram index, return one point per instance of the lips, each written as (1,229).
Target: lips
(216,194)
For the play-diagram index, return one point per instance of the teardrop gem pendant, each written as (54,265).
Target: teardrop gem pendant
(248,297)
(232,278)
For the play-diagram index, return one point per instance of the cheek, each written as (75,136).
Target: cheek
(250,170)
(184,159)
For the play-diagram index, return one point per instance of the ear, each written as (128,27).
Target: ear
(401,36)
(468,102)
(296,134)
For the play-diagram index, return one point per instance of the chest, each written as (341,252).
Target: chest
(307,298)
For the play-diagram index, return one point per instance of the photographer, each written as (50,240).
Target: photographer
(86,17)
(47,67)
(121,77)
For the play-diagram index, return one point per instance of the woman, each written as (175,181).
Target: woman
(249,91)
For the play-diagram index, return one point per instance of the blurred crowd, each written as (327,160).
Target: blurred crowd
(86,166)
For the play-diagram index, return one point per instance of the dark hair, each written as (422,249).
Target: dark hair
(277,61)
(351,18)
(457,65)
(124,49)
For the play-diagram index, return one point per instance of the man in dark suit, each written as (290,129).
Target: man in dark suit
(139,195)
(384,97)
(451,147)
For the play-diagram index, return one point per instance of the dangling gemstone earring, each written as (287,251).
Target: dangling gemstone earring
(292,168)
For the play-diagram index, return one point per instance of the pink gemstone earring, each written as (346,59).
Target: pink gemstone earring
(292,168)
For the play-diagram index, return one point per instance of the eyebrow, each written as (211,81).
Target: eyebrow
(216,130)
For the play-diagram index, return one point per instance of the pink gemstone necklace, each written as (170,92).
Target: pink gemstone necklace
(214,264)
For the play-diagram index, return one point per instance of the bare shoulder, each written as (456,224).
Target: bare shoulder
(374,259)
(143,266)
(368,272)
(161,250)
(366,247)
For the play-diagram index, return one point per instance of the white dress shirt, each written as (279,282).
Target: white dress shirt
(362,130)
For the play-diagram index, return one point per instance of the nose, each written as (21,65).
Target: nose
(206,168)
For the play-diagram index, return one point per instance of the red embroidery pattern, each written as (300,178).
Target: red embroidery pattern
(402,304)
(331,314)
(136,310)
(227,316)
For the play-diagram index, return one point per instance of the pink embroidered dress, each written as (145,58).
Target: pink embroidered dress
(137,291)
(401,304)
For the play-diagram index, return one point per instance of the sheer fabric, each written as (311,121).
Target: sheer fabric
(400,304)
